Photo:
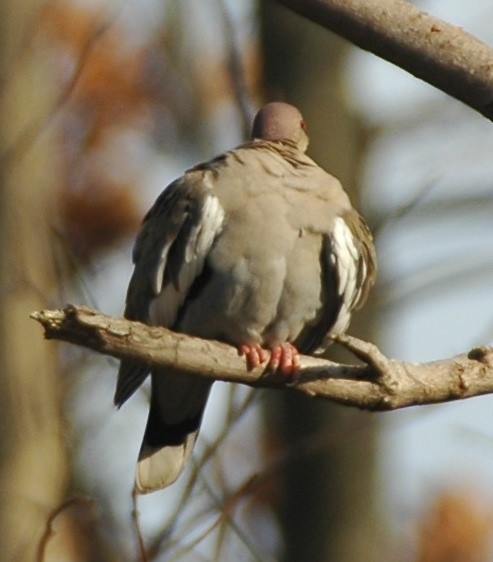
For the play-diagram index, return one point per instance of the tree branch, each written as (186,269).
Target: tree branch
(439,53)
(383,384)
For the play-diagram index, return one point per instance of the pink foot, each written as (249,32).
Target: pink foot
(255,355)
(285,358)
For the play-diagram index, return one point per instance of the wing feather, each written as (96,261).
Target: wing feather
(353,255)
(348,272)
(169,255)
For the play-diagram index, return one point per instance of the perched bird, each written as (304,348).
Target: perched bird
(259,248)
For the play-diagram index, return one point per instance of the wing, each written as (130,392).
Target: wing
(348,268)
(169,256)
(352,254)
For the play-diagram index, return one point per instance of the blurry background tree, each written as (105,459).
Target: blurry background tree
(34,465)
(326,503)
(103,104)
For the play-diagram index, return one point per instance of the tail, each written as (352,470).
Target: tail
(177,406)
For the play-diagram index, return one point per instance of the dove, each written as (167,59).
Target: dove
(259,248)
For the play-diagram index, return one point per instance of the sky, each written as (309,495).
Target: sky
(438,270)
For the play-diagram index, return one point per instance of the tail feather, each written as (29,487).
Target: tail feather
(159,467)
(177,405)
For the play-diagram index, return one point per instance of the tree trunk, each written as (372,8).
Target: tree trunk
(327,511)
(33,466)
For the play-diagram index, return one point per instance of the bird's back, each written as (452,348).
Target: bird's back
(264,280)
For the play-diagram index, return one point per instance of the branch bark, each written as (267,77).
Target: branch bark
(383,384)
(439,53)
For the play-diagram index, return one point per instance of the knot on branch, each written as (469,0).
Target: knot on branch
(483,354)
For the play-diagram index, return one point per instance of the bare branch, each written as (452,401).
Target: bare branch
(137,530)
(83,501)
(32,132)
(236,71)
(439,53)
(383,384)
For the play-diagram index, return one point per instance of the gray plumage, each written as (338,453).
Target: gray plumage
(258,246)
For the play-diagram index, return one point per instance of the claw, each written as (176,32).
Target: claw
(284,358)
(255,355)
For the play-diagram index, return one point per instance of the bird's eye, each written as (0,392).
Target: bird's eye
(303,125)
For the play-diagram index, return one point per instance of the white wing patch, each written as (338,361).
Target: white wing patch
(163,310)
(203,234)
(346,256)
(346,259)
(159,277)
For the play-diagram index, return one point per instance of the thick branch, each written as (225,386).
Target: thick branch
(439,53)
(384,384)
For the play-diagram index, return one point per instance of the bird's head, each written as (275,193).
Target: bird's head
(278,121)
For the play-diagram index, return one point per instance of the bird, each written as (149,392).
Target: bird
(259,248)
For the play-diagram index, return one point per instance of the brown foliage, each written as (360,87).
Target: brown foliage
(110,96)
(96,219)
(456,529)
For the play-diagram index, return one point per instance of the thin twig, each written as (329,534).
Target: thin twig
(236,71)
(29,136)
(198,464)
(84,501)
(137,530)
